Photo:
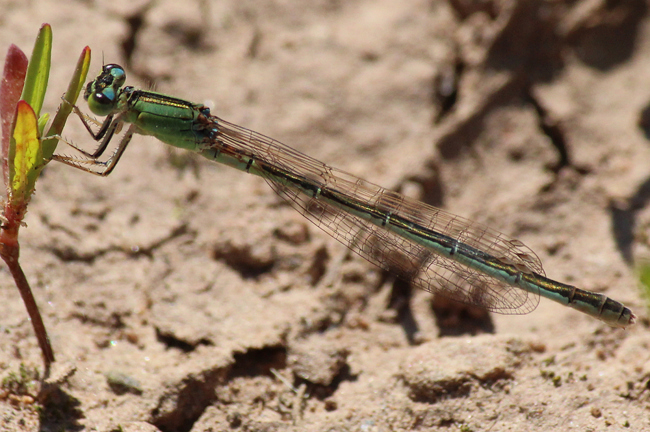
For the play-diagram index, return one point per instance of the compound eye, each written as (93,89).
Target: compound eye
(117,73)
(102,103)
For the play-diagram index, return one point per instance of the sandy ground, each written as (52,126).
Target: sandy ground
(182,295)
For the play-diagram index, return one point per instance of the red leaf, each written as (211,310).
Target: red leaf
(11,87)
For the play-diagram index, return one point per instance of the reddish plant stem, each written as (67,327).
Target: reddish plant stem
(10,251)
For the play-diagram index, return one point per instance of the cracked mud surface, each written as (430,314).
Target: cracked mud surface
(185,296)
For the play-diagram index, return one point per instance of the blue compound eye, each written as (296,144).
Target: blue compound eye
(117,73)
(101,103)
(103,93)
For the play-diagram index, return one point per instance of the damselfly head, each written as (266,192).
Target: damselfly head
(102,93)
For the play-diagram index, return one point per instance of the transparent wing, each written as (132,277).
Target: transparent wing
(408,259)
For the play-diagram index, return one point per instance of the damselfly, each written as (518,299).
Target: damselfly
(426,246)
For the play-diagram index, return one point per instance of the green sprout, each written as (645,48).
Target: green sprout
(25,153)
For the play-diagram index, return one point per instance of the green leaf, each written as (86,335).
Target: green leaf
(38,71)
(25,155)
(643,274)
(71,95)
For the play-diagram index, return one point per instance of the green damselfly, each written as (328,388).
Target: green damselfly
(426,246)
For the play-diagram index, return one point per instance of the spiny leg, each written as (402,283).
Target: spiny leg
(86,120)
(104,168)
(107,129)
